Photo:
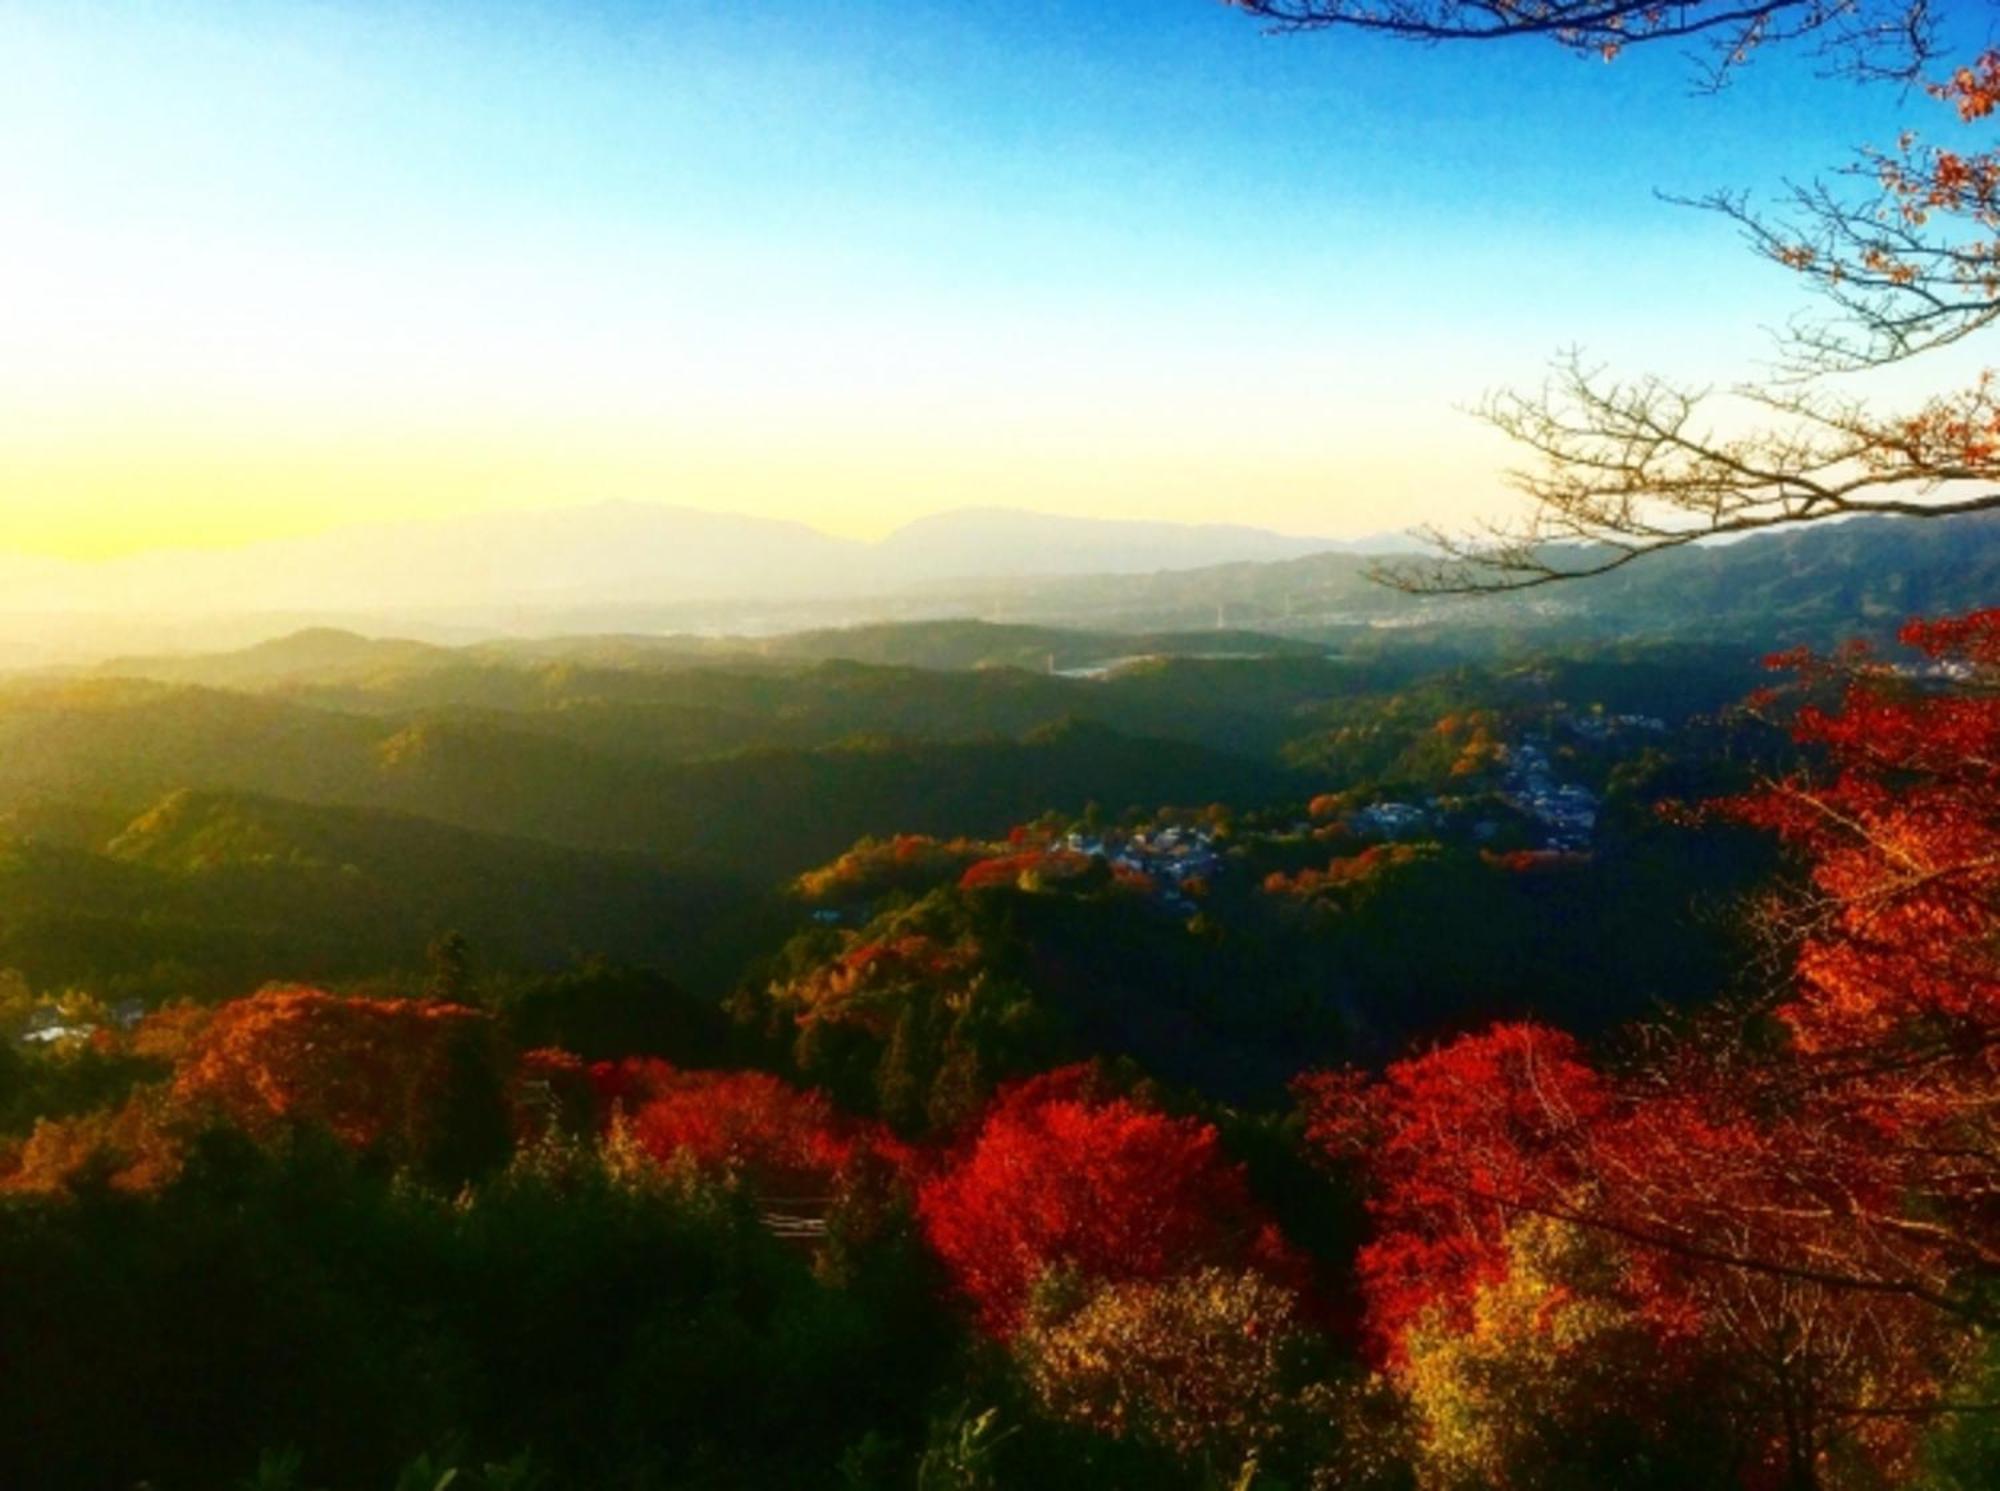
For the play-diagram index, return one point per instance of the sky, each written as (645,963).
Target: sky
(271,268)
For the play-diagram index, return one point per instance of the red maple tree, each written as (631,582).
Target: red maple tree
(787,1140)
(1060,1176)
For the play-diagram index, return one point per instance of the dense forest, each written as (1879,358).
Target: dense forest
(634,1063)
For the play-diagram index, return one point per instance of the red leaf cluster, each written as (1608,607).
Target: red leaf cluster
(1059,1177)
(1012,869)
(1902,833)
(1454,1137)
(785,1139)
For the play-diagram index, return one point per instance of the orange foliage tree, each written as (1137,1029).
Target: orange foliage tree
(1372,863)
(905,862)
(422,1082)
(870,981)
(136,1146)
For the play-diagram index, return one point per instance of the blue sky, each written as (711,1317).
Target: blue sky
(286,265)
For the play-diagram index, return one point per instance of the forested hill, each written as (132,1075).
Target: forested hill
(321,805)
(233,890)
(80,758)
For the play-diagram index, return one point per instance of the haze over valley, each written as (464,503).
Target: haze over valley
(513,572)
(644,569)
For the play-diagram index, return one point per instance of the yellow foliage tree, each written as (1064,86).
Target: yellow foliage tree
(1538,1389)
(1193,1363)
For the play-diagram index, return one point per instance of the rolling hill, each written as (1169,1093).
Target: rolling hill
(230,889)
(80,754)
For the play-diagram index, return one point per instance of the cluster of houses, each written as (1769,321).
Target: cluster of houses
(48,1024)
(1566,812)
(1598,728)
(1391,820)
(1943,669)
(1171,857)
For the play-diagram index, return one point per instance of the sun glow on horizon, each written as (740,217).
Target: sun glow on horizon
(275,270)
(101,509)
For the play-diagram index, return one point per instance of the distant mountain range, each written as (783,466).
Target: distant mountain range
(622,553)
(635,569)
(983,543)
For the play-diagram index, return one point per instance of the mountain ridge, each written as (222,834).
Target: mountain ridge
(620,552)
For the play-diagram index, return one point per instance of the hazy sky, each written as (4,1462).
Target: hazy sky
(270,267)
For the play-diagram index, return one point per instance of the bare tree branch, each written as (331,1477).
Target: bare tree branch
(1630,468)
(1873,38)
(1902,253)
